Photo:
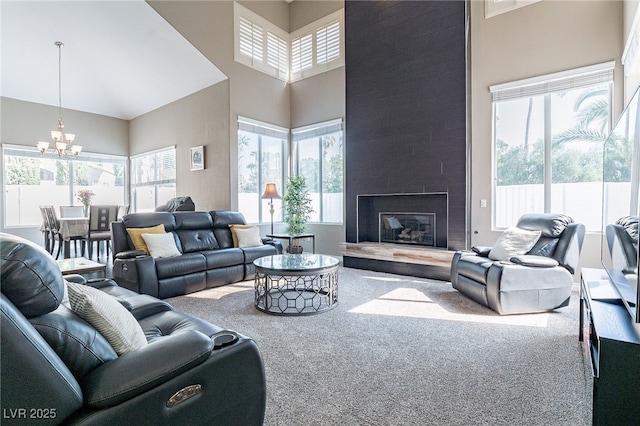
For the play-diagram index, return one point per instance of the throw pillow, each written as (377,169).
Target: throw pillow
(249,237)
(106,315)
(136,236)
(233,232)
(161,245)
(513,242)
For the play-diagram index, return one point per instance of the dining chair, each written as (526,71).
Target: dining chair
(54,229)
(71,211)
(100,218)
(47,232)
(122,210)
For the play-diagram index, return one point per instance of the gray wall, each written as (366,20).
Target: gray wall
(542,38)
(198,119)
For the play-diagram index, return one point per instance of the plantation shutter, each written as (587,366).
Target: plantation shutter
(328,43)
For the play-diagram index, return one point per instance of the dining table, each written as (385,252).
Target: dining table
(72,227)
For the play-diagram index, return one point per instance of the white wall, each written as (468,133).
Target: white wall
(538,39)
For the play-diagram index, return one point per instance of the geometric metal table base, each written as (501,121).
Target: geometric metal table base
(306,291)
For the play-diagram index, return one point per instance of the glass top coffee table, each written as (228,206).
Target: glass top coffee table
(296,284)
(79,265)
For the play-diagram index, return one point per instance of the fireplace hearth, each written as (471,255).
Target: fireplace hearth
(407,228)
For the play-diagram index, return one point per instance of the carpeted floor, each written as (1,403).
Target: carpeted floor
(408,351)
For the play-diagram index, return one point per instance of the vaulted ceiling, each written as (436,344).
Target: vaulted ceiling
(120,58)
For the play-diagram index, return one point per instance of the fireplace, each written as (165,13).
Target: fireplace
(407,228)
(392,218)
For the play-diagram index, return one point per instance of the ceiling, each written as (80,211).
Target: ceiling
(120,58)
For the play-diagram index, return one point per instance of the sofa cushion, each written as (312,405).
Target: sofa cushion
(136,236)
(545,246)
(513,242)
(30,277)
(161,245)
(549,224)
(188,263)
(221,221)
(80,346)
(109,317)
(249,237)
(197,240)
(223,257)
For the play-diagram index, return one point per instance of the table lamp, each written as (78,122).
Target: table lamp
(271,192)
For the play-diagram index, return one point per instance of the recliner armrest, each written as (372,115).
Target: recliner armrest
(131,254)
(535,261)
(138,371)
(481,250)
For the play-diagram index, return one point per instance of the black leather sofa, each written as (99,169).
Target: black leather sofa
(57,368)
(209,258)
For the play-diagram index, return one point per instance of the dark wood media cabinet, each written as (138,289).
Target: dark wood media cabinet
(611,342)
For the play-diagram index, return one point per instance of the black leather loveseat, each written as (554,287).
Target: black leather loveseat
(208,256)
(63,363)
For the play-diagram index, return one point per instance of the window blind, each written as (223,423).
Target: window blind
(315,130)
(266,129)
(551,83)
(302,53)
(277,53)
(328,43)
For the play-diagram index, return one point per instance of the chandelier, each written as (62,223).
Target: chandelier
(63,142)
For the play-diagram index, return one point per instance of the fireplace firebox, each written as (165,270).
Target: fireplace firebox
(407,228)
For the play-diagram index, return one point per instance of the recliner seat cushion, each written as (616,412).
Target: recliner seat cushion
(223,257)
(188,263)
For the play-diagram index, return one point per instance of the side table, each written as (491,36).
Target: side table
(291,238)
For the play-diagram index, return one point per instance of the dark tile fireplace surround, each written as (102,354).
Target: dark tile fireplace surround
(406,109)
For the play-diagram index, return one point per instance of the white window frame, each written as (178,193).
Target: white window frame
(269,45)
(546,85)
(157,182)
(313,131)
(261,129)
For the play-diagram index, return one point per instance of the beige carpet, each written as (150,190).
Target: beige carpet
(406,351)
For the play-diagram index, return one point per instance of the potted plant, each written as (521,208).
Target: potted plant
(297,208)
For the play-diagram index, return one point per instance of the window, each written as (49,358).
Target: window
(260,44)
(153,179)
(548,137)
(315,48)
(318,47)
(261,160)
(31,180)
(319,158)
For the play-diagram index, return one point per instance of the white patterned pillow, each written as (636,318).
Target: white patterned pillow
(249,237)
(513,242)
(108,316)
(161,245)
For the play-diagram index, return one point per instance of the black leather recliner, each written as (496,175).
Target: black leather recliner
(541,280)
(58,369)
(177,204)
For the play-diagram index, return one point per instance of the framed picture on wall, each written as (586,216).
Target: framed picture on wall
(197,158)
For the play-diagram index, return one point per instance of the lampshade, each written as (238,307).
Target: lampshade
(270,191)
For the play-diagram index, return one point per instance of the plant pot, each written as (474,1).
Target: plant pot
(294,249)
